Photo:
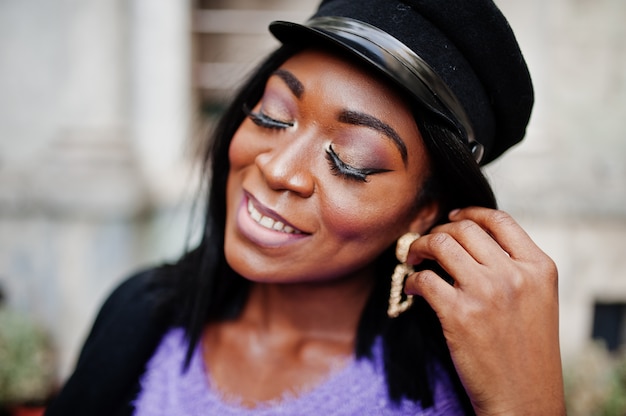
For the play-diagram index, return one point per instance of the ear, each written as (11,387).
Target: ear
(424,218)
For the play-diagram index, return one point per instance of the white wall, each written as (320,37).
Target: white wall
(566,182)
(94,108)
(94,118)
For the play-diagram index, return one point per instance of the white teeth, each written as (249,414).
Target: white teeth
(268,222)
(256,215)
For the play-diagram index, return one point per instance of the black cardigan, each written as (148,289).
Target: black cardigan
(122,340)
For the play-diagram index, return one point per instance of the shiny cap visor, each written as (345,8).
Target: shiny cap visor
(397,61)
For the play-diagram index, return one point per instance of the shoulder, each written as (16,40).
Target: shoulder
(122,339)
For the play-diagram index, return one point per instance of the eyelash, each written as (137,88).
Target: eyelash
(337,166)
(265,121)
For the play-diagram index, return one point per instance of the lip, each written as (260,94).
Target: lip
(260,235)
(268,212)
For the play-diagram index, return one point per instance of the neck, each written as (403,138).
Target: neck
(288,338)
(321,310)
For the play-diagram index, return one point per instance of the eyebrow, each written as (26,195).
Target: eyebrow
(347,116)
(292,82)
(362,119)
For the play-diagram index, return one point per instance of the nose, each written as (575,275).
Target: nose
(287,167)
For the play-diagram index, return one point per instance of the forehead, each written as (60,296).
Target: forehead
(321,67)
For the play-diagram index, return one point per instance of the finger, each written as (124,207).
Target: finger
(429,285)
(446,251)
(475,240)
(504,230)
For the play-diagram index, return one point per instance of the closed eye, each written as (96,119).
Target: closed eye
(339,168)
(263,120)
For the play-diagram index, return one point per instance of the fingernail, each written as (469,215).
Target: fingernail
(454,212)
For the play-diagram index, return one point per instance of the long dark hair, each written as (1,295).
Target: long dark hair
(205,289)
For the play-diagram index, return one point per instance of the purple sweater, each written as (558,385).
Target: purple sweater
(357,389)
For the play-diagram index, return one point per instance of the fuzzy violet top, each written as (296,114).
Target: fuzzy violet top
(359,388)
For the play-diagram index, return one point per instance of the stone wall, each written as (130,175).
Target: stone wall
(94,116)
(96,105)
(566,182)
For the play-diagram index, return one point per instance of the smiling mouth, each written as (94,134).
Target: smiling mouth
(269,223)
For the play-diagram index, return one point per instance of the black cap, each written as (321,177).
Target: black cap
(458,58)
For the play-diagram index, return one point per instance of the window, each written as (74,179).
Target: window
(609,324)
(230,38)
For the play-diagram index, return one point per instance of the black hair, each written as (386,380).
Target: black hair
(203,288)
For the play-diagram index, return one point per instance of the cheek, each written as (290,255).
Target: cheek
(368,218)
(241,151)
(240,156)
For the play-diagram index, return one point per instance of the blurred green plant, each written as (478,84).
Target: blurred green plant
(595,382)
(27,362)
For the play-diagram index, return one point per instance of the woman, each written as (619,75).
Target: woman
(369,125)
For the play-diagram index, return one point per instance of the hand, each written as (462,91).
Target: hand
(500,318)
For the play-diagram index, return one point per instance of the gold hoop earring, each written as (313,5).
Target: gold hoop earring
(400,273)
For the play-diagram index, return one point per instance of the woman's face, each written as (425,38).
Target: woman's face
(324,174)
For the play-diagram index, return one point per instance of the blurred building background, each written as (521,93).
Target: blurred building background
(102,103)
